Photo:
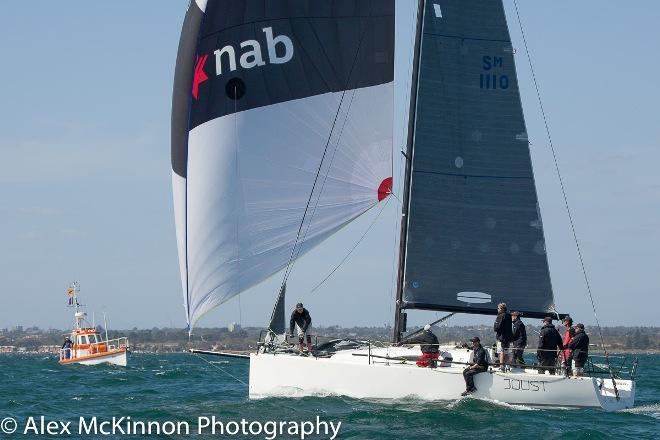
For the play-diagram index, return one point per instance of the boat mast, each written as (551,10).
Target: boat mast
(396,337)
(79,315)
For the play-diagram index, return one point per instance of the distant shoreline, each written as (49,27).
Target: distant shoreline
(618,340)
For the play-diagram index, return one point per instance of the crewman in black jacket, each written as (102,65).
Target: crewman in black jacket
(503,333)
(428,343)
(519,338)
(479,365)
(301,320)
(549,343)
(580,349)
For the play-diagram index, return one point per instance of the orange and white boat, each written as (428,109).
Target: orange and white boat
(86,345)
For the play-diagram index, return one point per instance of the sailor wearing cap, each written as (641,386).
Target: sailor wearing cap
(479,365)
(301,320)
(580,349)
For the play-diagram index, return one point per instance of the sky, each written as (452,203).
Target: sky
(85,175)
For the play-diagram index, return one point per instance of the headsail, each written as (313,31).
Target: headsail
(267,95)
(277,320)
(475,236)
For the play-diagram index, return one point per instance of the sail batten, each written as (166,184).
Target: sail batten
(474,233)
(263,84)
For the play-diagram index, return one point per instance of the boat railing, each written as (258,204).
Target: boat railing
(271,342)
(619,366)
(117,343)
(596,365)
(616,366)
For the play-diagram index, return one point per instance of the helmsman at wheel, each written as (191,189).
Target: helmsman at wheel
(301,320)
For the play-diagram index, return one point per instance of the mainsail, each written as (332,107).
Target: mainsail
(474,232)
(280,108)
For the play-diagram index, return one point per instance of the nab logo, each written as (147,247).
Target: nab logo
(279,50)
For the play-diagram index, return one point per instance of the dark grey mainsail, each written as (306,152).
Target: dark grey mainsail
(474,232)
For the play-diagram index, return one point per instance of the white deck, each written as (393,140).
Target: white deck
(367,377)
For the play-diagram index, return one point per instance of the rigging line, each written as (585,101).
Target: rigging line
(238,248)
(325,179)
(325,151)
(221,369)
(561,182)
(373,222)
(311,194)
(563,190)
(405,124)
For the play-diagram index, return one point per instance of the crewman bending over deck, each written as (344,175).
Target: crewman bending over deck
(429,345)
(301,320)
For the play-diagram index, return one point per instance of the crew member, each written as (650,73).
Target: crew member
(301,320)
(428,342)
(503,333)
(580,349)
(479,365)
(566,355)
(549,343)
(519,338)
(66,347)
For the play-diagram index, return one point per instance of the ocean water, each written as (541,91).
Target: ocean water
(182,388)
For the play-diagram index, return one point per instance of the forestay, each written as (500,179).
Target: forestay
(475,236)
(267,95)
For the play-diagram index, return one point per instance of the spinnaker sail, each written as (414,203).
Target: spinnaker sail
(275,104)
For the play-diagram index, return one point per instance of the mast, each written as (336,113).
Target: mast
(396,337)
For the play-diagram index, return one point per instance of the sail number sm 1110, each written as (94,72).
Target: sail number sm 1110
(492,79)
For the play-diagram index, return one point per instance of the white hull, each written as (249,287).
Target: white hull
(353,376)
(118,358)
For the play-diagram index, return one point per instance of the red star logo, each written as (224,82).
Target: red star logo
(200,75)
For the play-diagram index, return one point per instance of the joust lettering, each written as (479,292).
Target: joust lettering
(524,385)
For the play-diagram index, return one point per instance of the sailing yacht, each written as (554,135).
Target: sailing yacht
(282,121)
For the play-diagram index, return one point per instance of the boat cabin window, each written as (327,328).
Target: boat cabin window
(93,339)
